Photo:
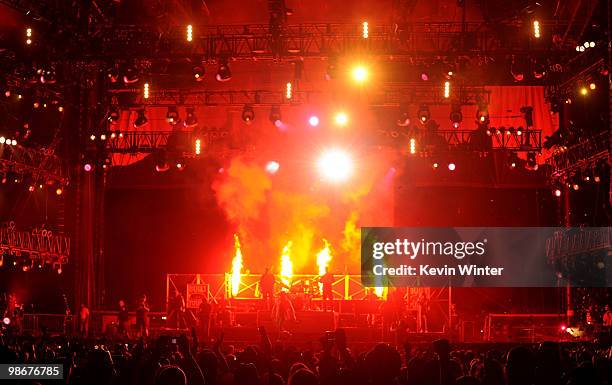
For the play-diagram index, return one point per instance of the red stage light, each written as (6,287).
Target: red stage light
(557,193)
(6,321)
(87,167)
(563,328)
(452,166)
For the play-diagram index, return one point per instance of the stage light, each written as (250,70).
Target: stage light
(198,73)
(446,89)
(59,269)
(7,93)
(288,91)
(114,114)
(365,30)
(335,165)
(36,105)
(404,119)
(60,109)
(584,91)
(531,163)
(87,167)
(189,33)
(6,321)
(341,119)
(14,142)
(596,178)
(248,114)
(92,137)
(198,146)
(31,188)
(172,116)
(272,167)
(592,86)
(130,76)
(113,75)
(191,120)
(28,36)
(145,91)
(455,115)
(360,74)
(313,120)
(423,114)
(141,119)
(452,166)
(103,137)
(59,191)
(557,193)
(424,76)
(563,328)
(161,161)
(224,73)
(536,29)
(180,165)
(275,116)
(482,115)
(435,165)
(412,145)
(2,139)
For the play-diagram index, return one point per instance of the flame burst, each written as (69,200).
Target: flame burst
(236,266)
(286,265)
(323,259)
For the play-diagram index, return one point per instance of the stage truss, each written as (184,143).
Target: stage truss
(217,288)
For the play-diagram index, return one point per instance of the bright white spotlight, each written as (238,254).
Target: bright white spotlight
(335,165)
(272,167)
(6,321)
(360,74)
(341,119)
(313,120)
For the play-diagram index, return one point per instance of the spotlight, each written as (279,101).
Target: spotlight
(365,30)
(557,193)
(180,165)
(288,91)
(130,76)
(452,166)
(145,91)
(272,167)
(189,36)
(172,116)
(2,140)
(513,160)
(584,91)
(341,119)
(423,114)
(576,186)
(92,137)
(161,161)
(335,165)
(248,114)
(275,116)
(536,29)
(198,146)
(424,76)
(223,73)
(435,165)
(360,74)
(482,115)
(114,114)
(531,163)
(592,86)
(59,191)
(455,115)
(313,120)
(28,36)
(191,120)
(412,145)
(404,119)
(141,119)
(446,89)
(113,75)
(198,73)
(87,167)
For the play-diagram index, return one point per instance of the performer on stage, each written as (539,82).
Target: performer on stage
(142,316)
(84,320)
(177,310)
(123,320)
(266,288)
(283,310)
(204,313)
(327,281)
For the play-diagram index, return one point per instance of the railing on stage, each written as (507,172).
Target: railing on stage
(53,323)
(529,327)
